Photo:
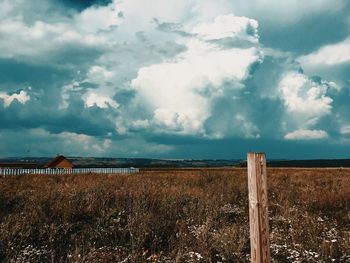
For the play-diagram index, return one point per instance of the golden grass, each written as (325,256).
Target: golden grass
(172,216)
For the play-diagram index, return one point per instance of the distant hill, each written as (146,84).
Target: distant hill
(310,163)
(177,163)
(322,163)
(131,162)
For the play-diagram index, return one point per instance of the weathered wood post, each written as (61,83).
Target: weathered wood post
(258,208)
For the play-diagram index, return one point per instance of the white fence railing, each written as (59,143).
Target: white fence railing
(16,171)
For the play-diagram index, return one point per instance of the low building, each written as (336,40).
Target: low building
(59,162)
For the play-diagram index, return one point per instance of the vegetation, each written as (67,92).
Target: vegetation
(172,216)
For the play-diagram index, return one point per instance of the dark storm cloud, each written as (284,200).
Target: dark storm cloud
(43,109)
(258,103)
(236,147)
(307,34)
(77,118)
(83,4)
(15,72)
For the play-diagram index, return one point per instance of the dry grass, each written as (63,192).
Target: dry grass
(172,216)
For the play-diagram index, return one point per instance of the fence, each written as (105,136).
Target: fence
(15,171)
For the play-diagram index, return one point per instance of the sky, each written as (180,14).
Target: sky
(196,79)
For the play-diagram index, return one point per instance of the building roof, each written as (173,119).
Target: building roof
(54,162)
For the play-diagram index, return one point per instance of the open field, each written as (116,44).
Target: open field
(188,215)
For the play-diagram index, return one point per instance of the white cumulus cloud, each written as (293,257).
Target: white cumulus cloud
(228,26)
(101,101)
(41,39)
(97,18)
(306,135)
(307,103)
(304,96)
(21,97)
(180,90)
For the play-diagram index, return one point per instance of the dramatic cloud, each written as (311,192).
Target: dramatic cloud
(180,91)
(159,78)
(303,96)
(307,102)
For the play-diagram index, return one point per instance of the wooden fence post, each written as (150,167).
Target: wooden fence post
(258,208)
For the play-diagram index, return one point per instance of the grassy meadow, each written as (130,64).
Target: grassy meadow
(198,215)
